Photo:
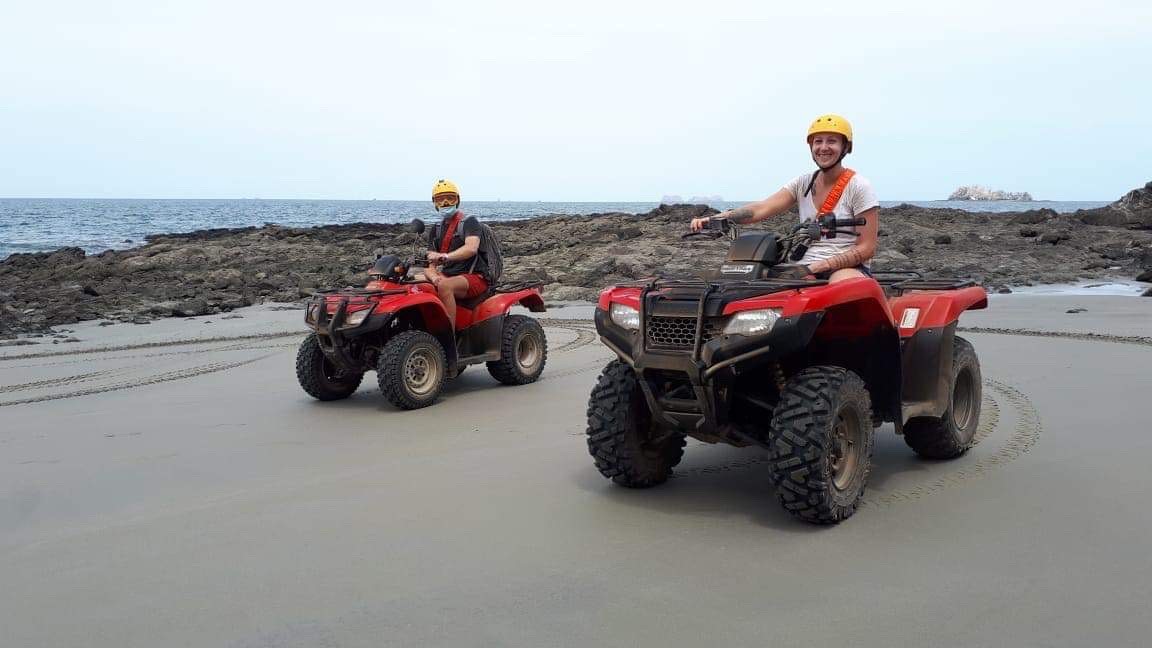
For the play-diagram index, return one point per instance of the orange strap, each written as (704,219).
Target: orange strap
(837,191)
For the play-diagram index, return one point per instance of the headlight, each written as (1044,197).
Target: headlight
(356,318)
(625,316)
(310,314)
(753,322)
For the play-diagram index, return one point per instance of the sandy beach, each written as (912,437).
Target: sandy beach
(170,484)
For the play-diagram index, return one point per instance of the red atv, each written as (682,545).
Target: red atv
(397,326)
(759,355)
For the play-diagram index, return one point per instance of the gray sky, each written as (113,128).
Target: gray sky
(531,101)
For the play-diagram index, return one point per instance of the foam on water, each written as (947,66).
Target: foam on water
(1115,287)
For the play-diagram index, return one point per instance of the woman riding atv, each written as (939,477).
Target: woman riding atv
(454,246)
(835,190)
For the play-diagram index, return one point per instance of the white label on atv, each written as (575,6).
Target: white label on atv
(908,320)
(728,268)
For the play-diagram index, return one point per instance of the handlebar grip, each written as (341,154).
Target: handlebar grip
(850,222)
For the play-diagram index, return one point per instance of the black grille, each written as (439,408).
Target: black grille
(679,333)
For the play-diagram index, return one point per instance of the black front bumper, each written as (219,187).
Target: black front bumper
(701,373)
(336,339)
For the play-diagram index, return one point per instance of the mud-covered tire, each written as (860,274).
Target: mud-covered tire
(821,439)
(523,351)
(626,446)
(318,377)
(411,370)
(954,433)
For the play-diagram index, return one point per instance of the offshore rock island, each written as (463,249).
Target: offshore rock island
(976,192)
(213,271)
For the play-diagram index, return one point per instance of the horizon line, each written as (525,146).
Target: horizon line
(502,200)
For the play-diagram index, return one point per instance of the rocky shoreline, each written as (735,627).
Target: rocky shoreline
(213,271)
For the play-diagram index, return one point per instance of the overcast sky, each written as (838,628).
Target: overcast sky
(568,101)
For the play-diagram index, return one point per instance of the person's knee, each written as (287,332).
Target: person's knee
(844,273)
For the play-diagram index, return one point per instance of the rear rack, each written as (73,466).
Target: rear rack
(517,286)
(901,280)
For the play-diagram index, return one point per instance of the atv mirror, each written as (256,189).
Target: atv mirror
(378,252)
(416,226)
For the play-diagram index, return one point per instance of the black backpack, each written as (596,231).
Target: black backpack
(489,247)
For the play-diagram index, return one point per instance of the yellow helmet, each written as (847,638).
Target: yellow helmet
(831,124)
(445,187)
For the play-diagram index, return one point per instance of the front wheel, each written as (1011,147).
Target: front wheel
(953,433)
(319,377)
(821,444)
(411,370)
(622,439)
(523,352)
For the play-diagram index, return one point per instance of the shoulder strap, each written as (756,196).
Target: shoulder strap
(449,232)
(837,191)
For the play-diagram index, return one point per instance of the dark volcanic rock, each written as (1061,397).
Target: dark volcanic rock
(1134,211)
(209,272)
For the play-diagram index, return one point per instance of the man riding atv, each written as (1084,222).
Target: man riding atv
(837,190)
(456,265)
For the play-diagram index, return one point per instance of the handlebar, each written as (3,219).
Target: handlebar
(830,222)
(712,230)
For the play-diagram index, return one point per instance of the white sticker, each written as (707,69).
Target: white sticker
(908,320)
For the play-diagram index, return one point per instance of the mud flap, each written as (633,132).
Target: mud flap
(926,362)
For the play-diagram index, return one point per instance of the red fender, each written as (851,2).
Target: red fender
(626,296)
(424,301)
(918,310)
(501,303)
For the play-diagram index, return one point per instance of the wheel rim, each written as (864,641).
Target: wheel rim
(963,399)
(528,352)
(847,444)
(421,372)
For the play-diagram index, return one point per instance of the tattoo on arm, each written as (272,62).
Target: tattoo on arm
(741,215)
(849,259)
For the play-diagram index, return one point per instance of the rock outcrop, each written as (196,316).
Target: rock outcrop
(574,257)
(1133,211)
(976,192)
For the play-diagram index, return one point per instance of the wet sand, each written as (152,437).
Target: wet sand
(190,494)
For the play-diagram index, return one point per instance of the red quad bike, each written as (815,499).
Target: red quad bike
(758,355)
(397,326)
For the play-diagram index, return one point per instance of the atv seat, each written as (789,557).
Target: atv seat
(472,302)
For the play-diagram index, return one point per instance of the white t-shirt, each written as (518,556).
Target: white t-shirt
(857,198)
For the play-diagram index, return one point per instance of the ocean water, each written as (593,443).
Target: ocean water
(37,225)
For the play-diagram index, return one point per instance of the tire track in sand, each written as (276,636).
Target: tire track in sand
(1024,436)
(181,374)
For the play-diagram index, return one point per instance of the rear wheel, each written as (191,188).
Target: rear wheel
(319,377)
(954,433)
(622,439)
(821,444)
(411,370)
(523,351)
